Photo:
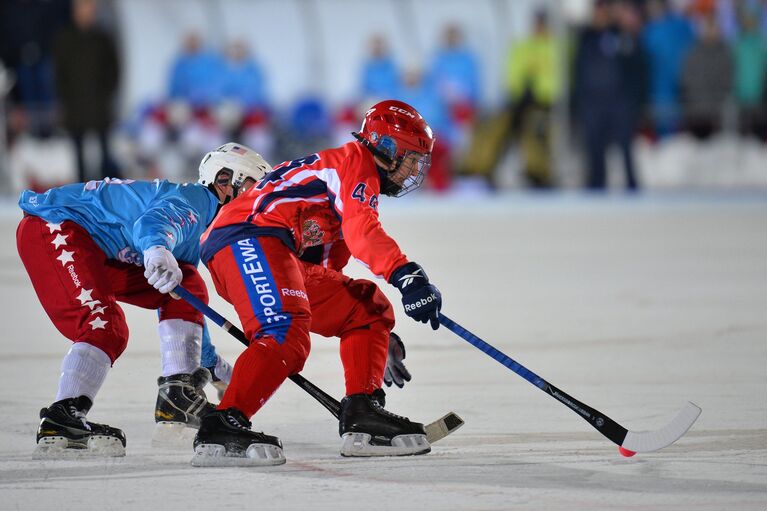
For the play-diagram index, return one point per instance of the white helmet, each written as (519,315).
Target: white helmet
(242,161)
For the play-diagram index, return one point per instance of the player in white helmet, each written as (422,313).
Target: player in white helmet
(232,168)
(227,171)
(88,246)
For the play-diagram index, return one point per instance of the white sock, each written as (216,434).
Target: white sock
(83,371)
(223,370)
(180,346)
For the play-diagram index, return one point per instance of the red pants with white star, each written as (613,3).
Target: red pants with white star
(279,300)
(78,286)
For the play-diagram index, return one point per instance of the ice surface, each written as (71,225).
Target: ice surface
(632,305)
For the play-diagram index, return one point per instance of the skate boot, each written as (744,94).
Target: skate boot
(181,404)
(64,432)
(225,439)
(367,429)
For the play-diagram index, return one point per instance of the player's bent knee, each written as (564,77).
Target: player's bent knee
(113,347)
(297,351)
(372,305)
(293,351)
(381,309)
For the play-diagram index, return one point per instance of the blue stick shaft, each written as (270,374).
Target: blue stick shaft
(599,421)
(200,306)
(492,352)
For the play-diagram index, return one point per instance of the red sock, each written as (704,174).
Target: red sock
(363,354)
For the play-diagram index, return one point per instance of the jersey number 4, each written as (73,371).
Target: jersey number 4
(359,194)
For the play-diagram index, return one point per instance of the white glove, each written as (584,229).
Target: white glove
(396,372)
(161,269)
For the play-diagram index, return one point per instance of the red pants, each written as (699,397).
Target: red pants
(79,287)
(279,300)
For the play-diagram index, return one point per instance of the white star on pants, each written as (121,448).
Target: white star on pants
(53,227)
(92,304)
(85,295)
(61,239)
(66,257)
(98,323)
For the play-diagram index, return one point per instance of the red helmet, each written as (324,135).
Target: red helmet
(396,133)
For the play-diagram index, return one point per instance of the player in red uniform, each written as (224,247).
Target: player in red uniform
(324,204)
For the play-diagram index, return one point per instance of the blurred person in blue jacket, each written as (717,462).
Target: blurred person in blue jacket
(609,88)
(667,37)
(242,77)
(419,93)
(454,75)
(196,74)
(380,77)
(191,119)
(454,70)
(85,247)
(244,112)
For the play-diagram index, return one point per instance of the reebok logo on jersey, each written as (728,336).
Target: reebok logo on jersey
(73,274)
(420,303)
(294,292)
(408,279)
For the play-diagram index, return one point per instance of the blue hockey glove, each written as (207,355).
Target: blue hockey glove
(421,299)
(396,372)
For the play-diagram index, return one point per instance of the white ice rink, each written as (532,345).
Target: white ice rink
(632,305)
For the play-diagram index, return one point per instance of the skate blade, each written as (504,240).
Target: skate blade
(59,447)
(256,455)
(358,444)
(173,435)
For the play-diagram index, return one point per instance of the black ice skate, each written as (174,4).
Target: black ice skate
(181,403)
(225,439)
(367,429)
(64,432)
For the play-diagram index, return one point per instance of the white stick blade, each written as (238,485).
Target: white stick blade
(439,429)
(649,441)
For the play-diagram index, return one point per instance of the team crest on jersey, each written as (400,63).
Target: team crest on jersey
(311,234)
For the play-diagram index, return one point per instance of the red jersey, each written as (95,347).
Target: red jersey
(320,200)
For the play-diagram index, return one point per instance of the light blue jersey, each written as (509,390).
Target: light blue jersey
(126,217)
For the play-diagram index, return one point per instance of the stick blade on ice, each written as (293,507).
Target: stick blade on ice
(439,429)
(649,441)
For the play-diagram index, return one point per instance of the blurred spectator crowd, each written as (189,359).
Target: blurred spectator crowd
(648,68)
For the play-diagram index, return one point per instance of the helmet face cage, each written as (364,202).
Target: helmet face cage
(398,134)
(408,173)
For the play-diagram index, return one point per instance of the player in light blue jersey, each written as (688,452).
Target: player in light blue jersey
(87,246)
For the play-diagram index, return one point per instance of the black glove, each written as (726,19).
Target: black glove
(421,300)
(396,372)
